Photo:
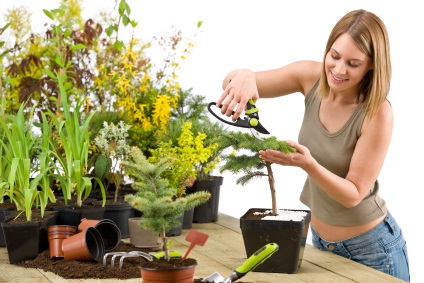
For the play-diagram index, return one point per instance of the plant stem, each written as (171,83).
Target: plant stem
(271,182)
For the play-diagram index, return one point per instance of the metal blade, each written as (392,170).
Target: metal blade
(261,129)
(214,277)
(255,134)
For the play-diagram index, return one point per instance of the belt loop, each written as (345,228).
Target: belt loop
(389,221)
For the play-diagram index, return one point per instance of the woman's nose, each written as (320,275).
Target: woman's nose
(340,68)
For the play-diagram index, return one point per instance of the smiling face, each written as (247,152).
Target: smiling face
(346,65)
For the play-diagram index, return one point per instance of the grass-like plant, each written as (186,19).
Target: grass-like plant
(155,198)
(244,158)
(71,150)
(22,149)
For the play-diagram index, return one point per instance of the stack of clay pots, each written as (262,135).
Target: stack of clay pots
(89,241)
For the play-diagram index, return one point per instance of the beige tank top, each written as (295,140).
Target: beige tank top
(334,151)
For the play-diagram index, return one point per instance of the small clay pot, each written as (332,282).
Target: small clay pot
(86,245)
(177,275)
(56,235)
(110,233)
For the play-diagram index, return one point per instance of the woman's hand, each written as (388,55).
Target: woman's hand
(239,86)
(301,158)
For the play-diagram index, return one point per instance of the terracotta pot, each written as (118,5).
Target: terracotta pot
(178,275)
(110,233)
(142,238)
(56,235)
(86,245)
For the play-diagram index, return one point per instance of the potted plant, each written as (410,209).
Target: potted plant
(193,108)
(286,227)
(187,152)
(71,156)
(26,174)
(111,143)
(156,199)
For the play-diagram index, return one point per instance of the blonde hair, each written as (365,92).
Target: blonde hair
(370,34)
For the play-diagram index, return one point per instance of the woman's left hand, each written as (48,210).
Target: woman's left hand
(300,158)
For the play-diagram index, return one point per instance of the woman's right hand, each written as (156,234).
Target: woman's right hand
(239,86)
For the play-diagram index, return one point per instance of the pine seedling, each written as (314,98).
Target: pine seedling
(155,198)
(244,158)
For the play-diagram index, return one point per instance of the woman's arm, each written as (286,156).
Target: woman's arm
(242,84)
(367,161)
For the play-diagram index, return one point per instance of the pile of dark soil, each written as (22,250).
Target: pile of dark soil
(89,269)
(71,269)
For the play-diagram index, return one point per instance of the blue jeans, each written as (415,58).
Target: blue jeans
(382,248)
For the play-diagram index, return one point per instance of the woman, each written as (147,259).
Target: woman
(343,139)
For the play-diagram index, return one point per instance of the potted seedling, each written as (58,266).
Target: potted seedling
(286,227)
(193,108)
(187,152)
(25,175)
(111,142)
(160,207)
(71,156)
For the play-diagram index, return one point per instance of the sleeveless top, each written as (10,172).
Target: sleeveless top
(334,152)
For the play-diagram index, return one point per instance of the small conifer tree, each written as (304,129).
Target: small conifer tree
(250,165)
(154,196)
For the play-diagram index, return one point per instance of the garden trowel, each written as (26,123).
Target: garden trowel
(251,263)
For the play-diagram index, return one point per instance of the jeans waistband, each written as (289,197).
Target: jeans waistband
(388,224)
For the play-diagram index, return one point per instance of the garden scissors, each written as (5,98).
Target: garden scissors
(251,121)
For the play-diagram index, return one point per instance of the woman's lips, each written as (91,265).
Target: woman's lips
(337,80)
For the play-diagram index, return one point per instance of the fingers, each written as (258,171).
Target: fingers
(232,103)
(278,157)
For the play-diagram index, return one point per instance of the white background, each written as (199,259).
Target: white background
(271,33)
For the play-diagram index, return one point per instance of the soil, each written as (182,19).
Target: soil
(91,269)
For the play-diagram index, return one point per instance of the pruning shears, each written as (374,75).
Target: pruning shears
(250,121)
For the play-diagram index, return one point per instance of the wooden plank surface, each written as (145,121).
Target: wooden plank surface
(223,252)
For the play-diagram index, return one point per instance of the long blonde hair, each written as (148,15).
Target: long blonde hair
(370,34)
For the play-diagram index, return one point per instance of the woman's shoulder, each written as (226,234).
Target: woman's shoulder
(309,72)
(383,119)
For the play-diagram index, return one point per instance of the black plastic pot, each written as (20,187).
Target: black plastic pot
(290,235)
(71,215)
(4,212)
(26,239)
(119,214)
(188,218)
(177,230)
(208,211)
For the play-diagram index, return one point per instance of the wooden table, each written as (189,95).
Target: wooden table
(223,252)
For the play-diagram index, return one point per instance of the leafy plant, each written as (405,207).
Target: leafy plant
(193,108)
(155,198)
(21,178)
(186,155)
(112,144)
(72,151)
(244,158)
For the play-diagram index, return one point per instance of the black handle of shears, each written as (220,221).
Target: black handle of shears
(238,123)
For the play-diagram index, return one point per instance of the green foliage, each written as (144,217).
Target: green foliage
(102,166)
(19,147)
(72,155)
(111,141)
(186,154)
(244,157)
(155,197)
(193,108)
